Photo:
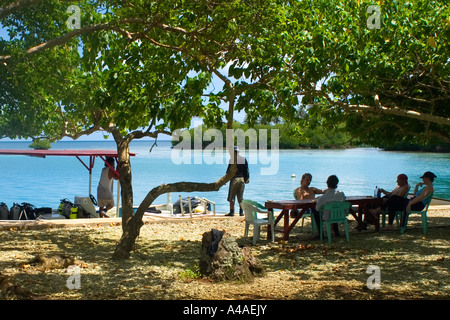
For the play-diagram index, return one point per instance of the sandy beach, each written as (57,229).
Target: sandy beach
(165,262)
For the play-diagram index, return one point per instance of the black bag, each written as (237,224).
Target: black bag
(14,212)
(4,211)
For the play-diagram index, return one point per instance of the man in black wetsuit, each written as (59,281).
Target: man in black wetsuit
(237,183)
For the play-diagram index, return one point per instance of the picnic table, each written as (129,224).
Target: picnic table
(362,202)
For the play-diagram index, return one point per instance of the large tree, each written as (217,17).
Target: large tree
(380,67)
(133,69)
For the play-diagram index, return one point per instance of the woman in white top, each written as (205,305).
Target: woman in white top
(105,196)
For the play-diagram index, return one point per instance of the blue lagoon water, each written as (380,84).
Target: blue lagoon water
(43,182)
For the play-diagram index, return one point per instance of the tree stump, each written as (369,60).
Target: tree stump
(221,258)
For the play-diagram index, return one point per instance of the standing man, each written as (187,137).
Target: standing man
(237,183)
(105,196)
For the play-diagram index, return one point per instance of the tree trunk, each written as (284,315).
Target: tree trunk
(125,176)
(126,187)
(222,259)
(132,223)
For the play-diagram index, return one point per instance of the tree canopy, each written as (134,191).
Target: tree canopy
(130,68)
(154,60)
(386,84)
(379,70)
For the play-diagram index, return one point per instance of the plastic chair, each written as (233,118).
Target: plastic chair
(398,214)
(334,212)
(306,215)
(423,214)
(251,210)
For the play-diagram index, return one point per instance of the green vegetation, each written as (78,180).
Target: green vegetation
(408,146)
(40,144)
(190,274)
(290,136)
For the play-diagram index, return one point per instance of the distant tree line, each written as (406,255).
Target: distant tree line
(290,136)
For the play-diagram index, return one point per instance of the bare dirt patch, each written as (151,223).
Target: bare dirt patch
(165,263)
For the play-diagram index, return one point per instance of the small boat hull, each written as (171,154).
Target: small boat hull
(440,202)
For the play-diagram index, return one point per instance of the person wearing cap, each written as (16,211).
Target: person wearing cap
(237,183)
(419,202)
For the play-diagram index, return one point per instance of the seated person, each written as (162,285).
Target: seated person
(305,191)
(418,203)
(330,195)
(392,201)
(401,203)
(401,189)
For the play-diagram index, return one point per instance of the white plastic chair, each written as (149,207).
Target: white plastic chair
(251,210)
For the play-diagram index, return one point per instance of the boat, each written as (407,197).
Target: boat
(439,202)
(192,206)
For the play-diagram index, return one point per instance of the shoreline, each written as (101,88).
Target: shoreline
(14,225)
(299,148)
(39,224)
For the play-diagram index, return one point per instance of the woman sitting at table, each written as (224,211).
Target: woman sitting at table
(419,201)
(305,191)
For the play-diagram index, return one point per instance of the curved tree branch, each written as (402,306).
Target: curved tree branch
(131,231)
(74,33)
(17,5)
(401,112)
